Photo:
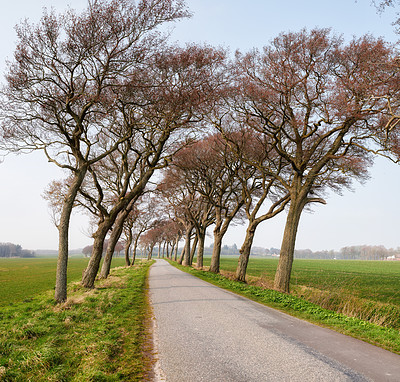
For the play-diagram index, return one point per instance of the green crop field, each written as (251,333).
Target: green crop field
(21,279)
(364,289)
(377,280)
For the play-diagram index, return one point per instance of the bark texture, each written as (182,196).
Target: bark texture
(216,253)
(126,253)
(283,272)
(115,235)
(176,247)
(200,251)
(186,257)
(182,255)
(63,231)
(193,250)
(245,253)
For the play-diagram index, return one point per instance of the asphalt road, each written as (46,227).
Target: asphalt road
(204,333)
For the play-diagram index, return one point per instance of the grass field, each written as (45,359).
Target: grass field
(97,335)
(376,280)
(368,290)
(21,279)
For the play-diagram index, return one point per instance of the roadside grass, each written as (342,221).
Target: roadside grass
(369,290)
(21,279)
(96,335)
(296,305)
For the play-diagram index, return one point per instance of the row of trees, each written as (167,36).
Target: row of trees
(14,250)
(180,139)
(104,96)
(369,252)
(359,252)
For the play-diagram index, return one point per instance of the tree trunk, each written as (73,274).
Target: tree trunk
(221,226)
(90,273)
(135,245)
(120,209)
(283,272)
(133,257)
(150,254)
(159,250)
(245,252)
(200,251)
(193,250)
(115,235)
(186,257)
(63,231)
(127,247)
(126,254)
(176,247)
(182,255)
(216,253)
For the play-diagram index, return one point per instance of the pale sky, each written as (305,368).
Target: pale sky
(367,216)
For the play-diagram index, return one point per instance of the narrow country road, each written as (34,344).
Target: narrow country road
(204,333)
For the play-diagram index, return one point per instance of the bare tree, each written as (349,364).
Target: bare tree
(197,209)
(127,231)
(146,216)
(209,168)
(180,85)
(258,178)
(317,100)
(62,86)
(171,231)
(182,202)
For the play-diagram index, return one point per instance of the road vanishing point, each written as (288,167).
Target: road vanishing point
(205,333)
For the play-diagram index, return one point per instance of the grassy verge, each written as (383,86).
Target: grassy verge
(387,338)
(97,335)
(368,290)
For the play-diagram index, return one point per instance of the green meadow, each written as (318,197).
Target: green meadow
(368,290)
(22,279)
(377,280)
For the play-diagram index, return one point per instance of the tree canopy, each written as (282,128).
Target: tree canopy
(212,140)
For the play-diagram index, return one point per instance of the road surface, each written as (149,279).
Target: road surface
(204,333)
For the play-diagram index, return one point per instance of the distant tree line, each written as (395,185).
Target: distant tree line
(368,252)
(14,250)
(356,252)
